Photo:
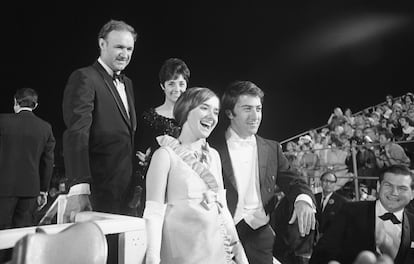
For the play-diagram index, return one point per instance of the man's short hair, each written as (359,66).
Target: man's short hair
(397,169)
(235,90)
(116,25)
(26,97)
(326,173)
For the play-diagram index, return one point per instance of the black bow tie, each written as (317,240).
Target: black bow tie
(391,217)
(119,77)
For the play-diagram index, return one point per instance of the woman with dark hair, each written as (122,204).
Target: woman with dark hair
(155,121)
(186,213)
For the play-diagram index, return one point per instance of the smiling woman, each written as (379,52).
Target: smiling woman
(186,208)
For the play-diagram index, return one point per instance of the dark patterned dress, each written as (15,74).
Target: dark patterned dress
(150,127)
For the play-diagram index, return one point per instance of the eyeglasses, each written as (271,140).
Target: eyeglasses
(328,181)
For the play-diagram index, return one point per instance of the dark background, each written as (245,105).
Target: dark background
(308,56)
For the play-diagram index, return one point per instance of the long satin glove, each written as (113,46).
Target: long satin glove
(154,218)
(237,247)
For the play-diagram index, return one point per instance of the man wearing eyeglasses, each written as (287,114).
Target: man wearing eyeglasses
(328,202)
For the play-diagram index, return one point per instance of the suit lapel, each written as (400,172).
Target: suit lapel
(130,98)
(405,239)
(227,165)
(262,154)
(111,86)
(371,225)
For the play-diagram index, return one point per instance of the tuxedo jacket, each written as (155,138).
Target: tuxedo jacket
(274,170)
(26,154)
(326,217)
(354,231)
(98,142)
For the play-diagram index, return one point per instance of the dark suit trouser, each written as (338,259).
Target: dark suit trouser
(257,243)
(15,212)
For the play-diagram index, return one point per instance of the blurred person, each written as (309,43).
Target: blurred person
(407,101)
(337,118)
(26,161)
(382,226)
(336,161)
(252,168)
(389,100)
(156,121)
(99,113)
(348,117)
(410,116)
(187,218)
(328,202)
(309,162)
(391,153)
(407,129)
(292,154)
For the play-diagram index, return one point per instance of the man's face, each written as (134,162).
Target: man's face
(395,191)
(247,115)
(116,49)
(328,184)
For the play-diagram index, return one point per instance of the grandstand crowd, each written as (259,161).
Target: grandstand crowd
(381,135)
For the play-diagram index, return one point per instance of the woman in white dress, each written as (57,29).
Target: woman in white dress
(186,213)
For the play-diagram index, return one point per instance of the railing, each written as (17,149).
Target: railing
(132,236)
(313,176)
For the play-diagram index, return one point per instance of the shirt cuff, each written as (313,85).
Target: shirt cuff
(306,198)
(81,188)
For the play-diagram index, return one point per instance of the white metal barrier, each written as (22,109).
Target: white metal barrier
(132,237)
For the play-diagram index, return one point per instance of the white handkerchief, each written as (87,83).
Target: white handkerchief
(412,244)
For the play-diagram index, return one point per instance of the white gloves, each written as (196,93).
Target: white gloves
(154,217)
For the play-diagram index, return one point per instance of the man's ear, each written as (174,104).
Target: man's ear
(229,114)
(35,106)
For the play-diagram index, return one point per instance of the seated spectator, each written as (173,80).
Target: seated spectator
(308,162)
(389,100)
(391,153)
(348,117)
(328,202)
(407,130)
(336,157)
(410,115)
(407,101)
(336,118)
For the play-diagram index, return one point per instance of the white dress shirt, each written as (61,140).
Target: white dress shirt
(243,155)
(392,236)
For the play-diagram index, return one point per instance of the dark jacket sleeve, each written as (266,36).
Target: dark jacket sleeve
(78,106)
(47,161)
(290,182)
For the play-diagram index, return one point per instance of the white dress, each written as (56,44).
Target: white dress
(193,233)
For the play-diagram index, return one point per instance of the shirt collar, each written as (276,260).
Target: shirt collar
(24,109)
(231,135)
(106,67)
(380,210)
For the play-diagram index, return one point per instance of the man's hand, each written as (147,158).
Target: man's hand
(305,215)
(75,204)
(41,200)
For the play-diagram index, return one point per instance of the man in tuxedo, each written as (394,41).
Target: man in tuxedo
(382,226)
(26,161)
(252,167)
(99,113)
(328,202)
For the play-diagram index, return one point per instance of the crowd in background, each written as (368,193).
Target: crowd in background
(383,135)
